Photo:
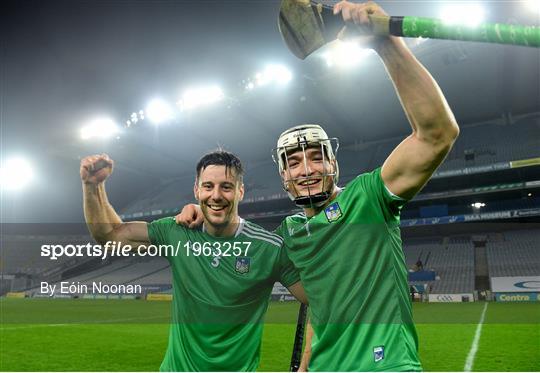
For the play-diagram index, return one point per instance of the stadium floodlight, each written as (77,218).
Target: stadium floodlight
(278,74)
(477,205)
(533,5)
(158,111)
(470,15)
(102,128)
(201,96)
(345,54)
(15,174)
(134,118)
(262,79)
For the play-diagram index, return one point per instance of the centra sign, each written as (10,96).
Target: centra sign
(517,297)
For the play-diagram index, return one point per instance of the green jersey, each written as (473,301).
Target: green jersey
(221,289)
(353,270)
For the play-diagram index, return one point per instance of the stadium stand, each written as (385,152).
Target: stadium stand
(105,269)
(162,276)
(517,255)
(451,256)
(504,144)
(453,263)
(135,270)
(123,271)
(18,252)
(509,253)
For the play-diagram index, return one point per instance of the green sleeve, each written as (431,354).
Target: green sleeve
(372,185)
(390,203)
(280,228)
(288,274)
(159,230)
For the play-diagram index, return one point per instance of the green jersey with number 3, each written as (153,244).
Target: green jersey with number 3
(353,269)
(221,288)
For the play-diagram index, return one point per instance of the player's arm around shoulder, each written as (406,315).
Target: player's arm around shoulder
(289,275)
(134,234)
(297,290)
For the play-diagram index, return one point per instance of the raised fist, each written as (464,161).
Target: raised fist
(359,25)
(96,168)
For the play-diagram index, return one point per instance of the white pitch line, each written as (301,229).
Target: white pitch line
(474,348)
(32,326)
(79,323)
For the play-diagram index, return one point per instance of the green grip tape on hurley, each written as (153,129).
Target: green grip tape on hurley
(415,27)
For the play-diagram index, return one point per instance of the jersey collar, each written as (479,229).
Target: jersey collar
(239,229)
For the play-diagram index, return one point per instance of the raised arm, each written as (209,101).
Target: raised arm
(102,220)
(434,128)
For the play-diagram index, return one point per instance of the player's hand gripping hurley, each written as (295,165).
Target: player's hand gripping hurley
(308,25)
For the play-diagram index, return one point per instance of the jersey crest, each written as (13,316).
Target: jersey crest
(333,212)
(378,353)
(242,264)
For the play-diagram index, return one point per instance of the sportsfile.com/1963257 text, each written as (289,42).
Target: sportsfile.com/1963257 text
(118,249)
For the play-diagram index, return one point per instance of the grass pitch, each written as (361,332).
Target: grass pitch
(131,335)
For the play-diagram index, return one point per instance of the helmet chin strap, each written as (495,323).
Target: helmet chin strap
(316,200)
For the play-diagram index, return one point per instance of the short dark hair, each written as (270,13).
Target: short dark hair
(221,157)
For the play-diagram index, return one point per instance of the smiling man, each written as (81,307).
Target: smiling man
(223,274)
(347,246)
(219,205)
(346,243)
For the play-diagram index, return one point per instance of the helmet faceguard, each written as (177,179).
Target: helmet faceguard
(300,138)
